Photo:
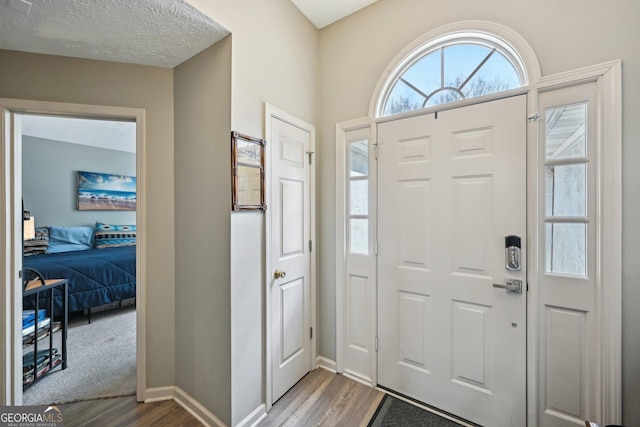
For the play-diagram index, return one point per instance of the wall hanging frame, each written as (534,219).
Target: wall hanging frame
(106,192)
(247,170)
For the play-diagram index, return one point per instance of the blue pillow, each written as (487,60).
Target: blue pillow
(109,235)
(68,239)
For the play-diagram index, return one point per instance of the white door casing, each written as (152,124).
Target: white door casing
(356,285)
(576,305)
(289,246)
(10,224)
(450,190)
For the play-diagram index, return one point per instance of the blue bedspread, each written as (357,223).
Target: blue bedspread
(96,276)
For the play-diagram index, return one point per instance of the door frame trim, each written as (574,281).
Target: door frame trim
(342,129)
(10,182)
(608,77)
(272,112)
(609,251)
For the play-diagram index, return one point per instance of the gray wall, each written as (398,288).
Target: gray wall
(49,180)
(565,35)
(202,87)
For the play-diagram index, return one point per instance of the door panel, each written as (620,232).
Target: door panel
(568,285)
(450,190)
(289,254)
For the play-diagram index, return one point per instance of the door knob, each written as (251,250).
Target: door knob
(279,274)
(512,285)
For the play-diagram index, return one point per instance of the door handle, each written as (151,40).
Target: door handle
(512,285)
(279,274)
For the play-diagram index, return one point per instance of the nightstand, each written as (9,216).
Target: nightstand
(41,361)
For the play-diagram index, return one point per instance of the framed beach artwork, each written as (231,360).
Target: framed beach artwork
(106,192)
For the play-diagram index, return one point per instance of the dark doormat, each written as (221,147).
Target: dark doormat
(394,412)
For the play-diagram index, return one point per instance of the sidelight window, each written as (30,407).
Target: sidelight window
(358,197)
(566,189)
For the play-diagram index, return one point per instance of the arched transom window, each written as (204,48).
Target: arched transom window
(452,69)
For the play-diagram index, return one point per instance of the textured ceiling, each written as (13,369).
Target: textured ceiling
(163,33)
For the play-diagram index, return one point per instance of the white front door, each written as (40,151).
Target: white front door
(289,269)
(451,188)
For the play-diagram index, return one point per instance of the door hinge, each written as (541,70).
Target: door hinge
(311,333)
(375,248)
(376,343)
(310,154)
(534,117)
(375,151)
(310,246)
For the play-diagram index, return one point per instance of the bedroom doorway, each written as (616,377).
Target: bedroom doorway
(35,133)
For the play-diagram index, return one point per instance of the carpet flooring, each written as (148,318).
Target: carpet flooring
(393,412)
(101,360)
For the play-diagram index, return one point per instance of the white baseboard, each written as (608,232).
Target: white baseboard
(157,394)
(192,406)
(255,417)
(358,377)
(196,409)
(324,363)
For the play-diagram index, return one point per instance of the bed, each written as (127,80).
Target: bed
(96,276)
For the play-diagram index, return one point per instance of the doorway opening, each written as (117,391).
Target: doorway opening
(91,162)
(39,163)
(552,315)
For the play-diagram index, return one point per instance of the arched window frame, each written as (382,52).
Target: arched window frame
(506,41)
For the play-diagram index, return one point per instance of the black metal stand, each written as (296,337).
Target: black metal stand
(37,286)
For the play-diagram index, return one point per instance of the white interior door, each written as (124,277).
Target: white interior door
(289,272)
(450,189)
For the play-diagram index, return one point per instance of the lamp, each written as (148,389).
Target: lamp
(29,229)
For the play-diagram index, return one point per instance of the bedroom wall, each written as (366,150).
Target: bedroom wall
(61,79)
(565,35)
(49,180)
(202,87)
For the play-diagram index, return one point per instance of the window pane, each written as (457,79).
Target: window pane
(360,197)
(444,97)
(425,73)
(359,236)
(565,131)
(359,158)
(402,99)
(566,249)
(460,61)
(566,190)
(496,75)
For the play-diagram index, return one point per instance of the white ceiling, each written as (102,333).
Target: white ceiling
(324,12)
(113,135)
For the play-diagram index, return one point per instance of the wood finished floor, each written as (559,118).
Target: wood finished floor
(125,412)
(324,399)
(321,398)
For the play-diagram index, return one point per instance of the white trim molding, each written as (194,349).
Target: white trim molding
(10,222)
(608,271)
(196,409)
(327,364)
